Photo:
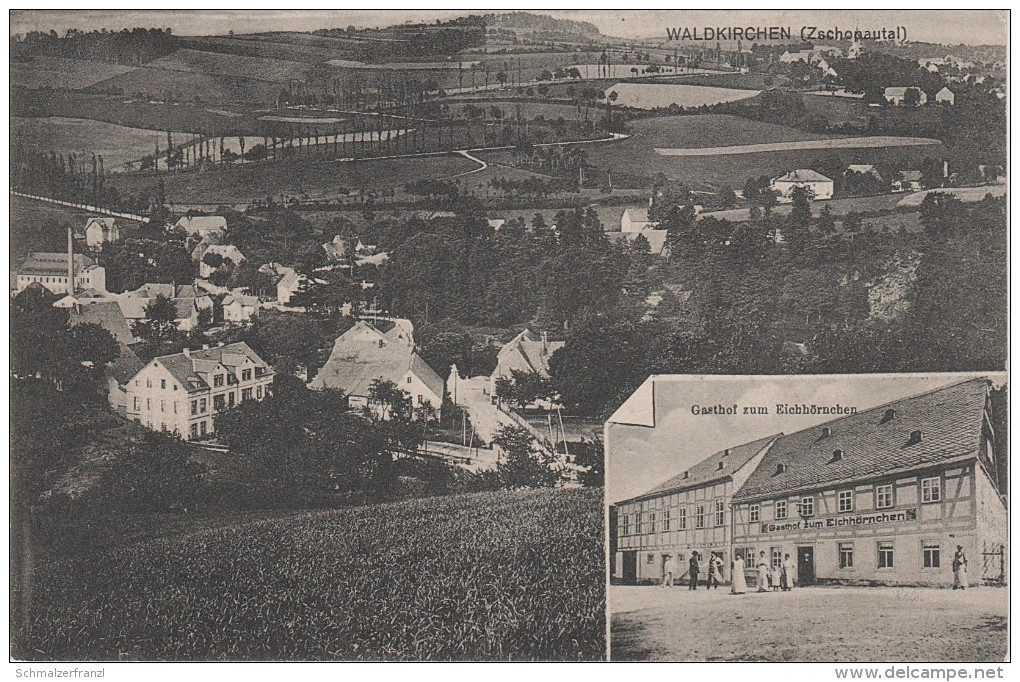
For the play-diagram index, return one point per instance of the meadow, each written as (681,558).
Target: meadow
(653,95)
(484,576)
(117,144)
(57,72)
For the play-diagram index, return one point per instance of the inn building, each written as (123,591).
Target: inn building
(883,496)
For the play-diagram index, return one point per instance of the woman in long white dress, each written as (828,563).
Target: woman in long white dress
(763,573)
(737,584)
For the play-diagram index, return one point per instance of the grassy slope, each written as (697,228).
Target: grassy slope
(506,575)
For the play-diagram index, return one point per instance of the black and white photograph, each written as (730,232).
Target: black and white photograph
(373,335)
(810,519)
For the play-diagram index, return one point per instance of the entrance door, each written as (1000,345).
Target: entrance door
(805,566)
(630,567)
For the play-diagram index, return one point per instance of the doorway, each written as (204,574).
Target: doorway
(805,566)
(630,568)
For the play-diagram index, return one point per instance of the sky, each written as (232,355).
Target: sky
(640,458)
(958,26)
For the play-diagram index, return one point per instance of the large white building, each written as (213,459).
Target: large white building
(818,186)
(183,393)
(51,270)
(99,231)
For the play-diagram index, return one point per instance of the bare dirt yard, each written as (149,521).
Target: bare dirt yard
(895,624)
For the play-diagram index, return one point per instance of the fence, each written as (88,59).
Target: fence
(84,207)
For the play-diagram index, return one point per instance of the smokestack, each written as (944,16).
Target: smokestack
(945,169)
(70,262)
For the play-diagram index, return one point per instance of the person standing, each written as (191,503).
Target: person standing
(960,569)
(715,576)
(738,585)
(694,567)
(786,580)
(671,571)
(763,573)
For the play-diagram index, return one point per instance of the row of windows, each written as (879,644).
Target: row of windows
(885,498)
(931,555)
(200,405)
(218,380)
(653,522)
(164,405)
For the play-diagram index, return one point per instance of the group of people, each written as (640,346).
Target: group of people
(769,577)
(673,571)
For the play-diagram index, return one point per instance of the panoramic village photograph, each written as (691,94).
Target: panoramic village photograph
(334,335)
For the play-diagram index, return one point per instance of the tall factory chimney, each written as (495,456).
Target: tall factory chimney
(70,262)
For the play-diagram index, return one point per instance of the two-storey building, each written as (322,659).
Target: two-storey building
(183,393)
(687,513)
(882,496)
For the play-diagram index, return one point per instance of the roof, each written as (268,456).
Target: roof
(133,307)
(526,352)
(126,366)
(241,299)
(203,223)
(151,290)
(900,92)
(364,354)
(108,315)
(707,470)
(637,215)
(802,175)
(861,167)
(39,263)
(950,421)
(911,175)
(104,223)
(186,368)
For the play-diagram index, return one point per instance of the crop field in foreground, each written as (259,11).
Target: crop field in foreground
(484,576)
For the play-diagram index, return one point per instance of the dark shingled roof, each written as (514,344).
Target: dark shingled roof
(708,471)
(949,419)
(106,314)
(183,367)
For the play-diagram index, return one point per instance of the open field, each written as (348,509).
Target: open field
(486,576)
(57,72)
(652,95)
(633,162)
(961,193)
(529,110)
(117,144)
(878,141)
(213,63)
(295,178)
(190,86)
(809,624)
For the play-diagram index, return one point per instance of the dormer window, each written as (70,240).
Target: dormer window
(722,465)
(726,452)
(826,432)
(687,474)
(837,455)
(915,437)
(218,380)
(890,414)
(781,468)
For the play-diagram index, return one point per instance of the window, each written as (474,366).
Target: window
(230,399)
(202,428)
(638,518)
(258,392)
(202,404)
(846,555)
(885,555)
(650,559)
(682,518)
(162,384)
(218,402)
(138,403)
(162,427)
(777,557)
(148,404)
(175,387)
(626,524)
(246,394)
(807,506)
(780,509)
(218,380)
(651,522)
(408,379)
(699,516)
(846,500)
(194,430)
(931,556)
(931,489)
(667,518)
(884,497)
(175,406)
(162,406)
(148,383)
(194,407)
(245,375)
(720,512)
(755,513)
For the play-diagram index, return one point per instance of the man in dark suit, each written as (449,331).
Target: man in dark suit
(694,568)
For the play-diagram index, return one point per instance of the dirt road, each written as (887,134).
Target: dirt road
(809,624)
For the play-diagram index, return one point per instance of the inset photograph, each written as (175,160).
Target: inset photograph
(812,518)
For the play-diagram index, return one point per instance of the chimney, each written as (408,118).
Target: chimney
(545,343)
(70,262)
(687,474)
(945,169)
(187,352)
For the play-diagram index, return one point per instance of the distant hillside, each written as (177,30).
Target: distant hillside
(540,23)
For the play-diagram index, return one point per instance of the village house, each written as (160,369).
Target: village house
(106,314)
(688,513)
(907,181)
(336,249)
(527,352)
(384,351)
(799,56)
(898,96)
(227,252)
(818,186)
(99,231)
(183,393)
(202,226)
(288,280)
(188,302)
(882,496)
(238,307)
(945,96)
(636,220)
